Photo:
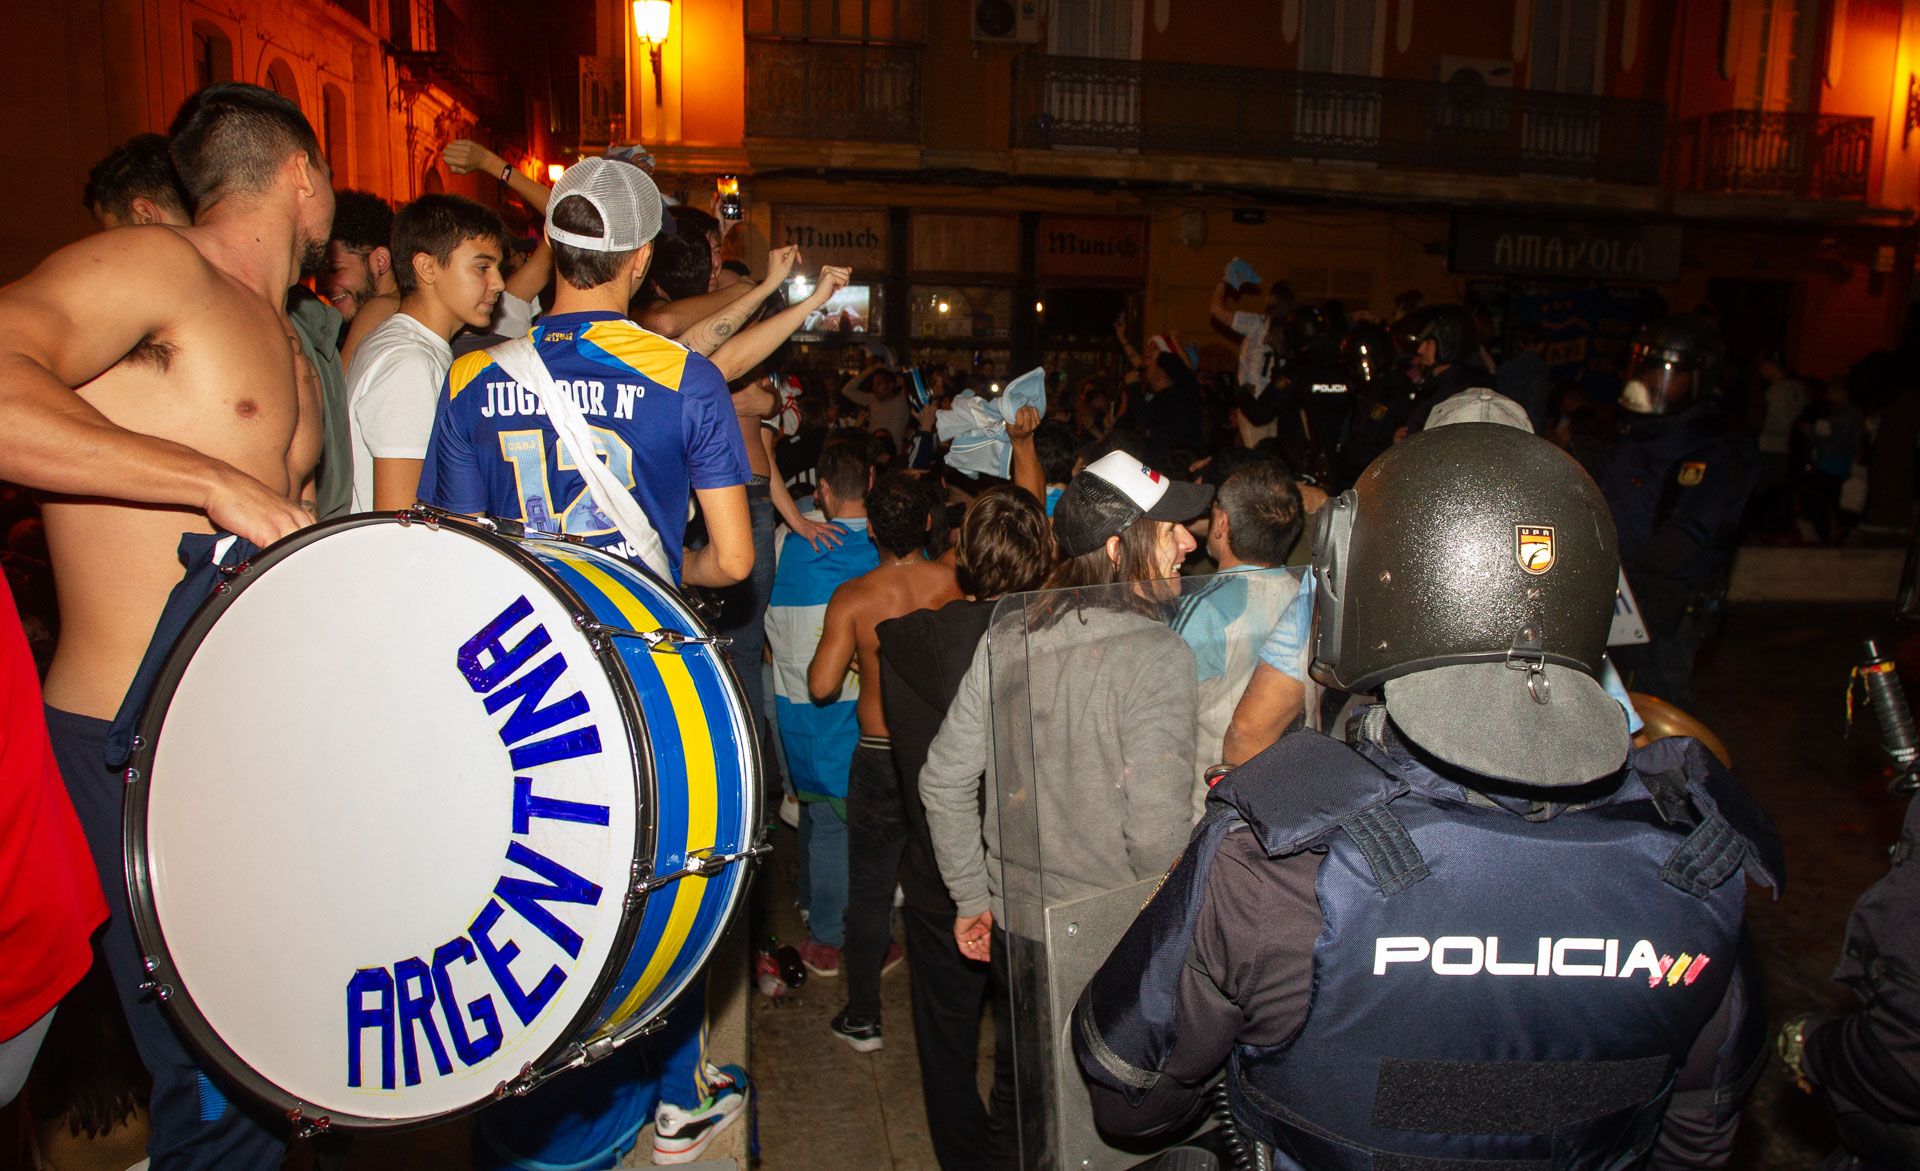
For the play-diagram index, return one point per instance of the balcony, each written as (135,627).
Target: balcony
(847,90)
(1169,107)
(1809,156)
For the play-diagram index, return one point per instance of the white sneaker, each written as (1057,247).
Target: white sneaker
(790,811)
(682,1136)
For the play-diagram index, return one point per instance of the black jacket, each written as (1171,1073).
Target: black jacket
(922,658)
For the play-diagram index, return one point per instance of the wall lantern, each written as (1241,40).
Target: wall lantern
(651,20)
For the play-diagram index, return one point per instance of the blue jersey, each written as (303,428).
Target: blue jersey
(660,415)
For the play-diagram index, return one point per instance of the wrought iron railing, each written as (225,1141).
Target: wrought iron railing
(868,91)
(1160,106)
(1814,156)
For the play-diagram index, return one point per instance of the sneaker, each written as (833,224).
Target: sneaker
(820,959)
(789,811)
(682,1136)
(895,957)
(863,1038)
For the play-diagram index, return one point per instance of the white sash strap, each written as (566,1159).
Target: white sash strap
(523,364)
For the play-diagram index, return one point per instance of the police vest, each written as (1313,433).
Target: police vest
(1693,470)
(1489,987)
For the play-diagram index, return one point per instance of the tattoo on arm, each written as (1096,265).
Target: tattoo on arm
(705,336)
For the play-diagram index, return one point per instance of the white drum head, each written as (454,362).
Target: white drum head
(350,856)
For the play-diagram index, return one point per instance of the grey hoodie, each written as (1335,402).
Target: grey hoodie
(1097,713)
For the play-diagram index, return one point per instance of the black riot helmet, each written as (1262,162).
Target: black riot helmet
(1674,364)
(1306,329)
(1470,574)
(1449,327)
(1368,351)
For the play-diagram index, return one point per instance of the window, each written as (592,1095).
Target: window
(280,80)
(1566,49)
(1773,52)
(840,20)
(1095,28)
(333,131)
(1338,37)
(212,55)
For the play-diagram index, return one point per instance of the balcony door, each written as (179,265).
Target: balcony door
(1773,46)
(1565,54)
(1338,38)
(1105,29)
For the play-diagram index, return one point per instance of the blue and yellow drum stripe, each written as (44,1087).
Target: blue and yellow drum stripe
(701,783)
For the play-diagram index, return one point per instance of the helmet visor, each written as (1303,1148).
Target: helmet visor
(1657,383)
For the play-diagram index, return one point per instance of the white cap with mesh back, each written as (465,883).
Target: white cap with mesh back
(624,195)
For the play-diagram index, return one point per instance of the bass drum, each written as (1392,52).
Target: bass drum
(421,814)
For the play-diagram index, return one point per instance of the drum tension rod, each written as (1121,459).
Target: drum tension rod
(657,640)
(305,1128)
(703,866)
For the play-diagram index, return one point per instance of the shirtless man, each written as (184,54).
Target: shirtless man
(899,520)
(149,377)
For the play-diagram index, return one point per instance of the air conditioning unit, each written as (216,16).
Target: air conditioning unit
(1006,20)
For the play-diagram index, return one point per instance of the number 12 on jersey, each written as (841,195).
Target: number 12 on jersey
(526,452)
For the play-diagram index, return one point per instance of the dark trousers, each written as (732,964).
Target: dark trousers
(1003,1121)
(197,1122)
(949,992)
(1873,1145)
(1679,616)
(876,838)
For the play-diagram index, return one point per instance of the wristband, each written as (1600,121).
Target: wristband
(506,169)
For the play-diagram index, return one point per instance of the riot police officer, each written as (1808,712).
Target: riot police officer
(1677,484)
(1443,346)
(1319,382)
(1481,930)
(1383,396)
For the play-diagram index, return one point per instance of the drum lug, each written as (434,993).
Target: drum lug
(160,989)
(303,1129)
(426,514)
(519,1085)
(662,640)
(593,1051)
(699,865)
(132,775)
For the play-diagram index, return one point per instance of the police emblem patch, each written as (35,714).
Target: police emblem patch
(1533,547)
(1691,473)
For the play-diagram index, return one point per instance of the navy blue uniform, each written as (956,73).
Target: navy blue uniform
(1398,971)
(1678,487)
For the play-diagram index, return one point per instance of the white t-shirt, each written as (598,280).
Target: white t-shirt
(392,388)
(513,317)
(1785,400)
(1256,370)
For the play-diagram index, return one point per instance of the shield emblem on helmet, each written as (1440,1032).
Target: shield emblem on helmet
(1533,547)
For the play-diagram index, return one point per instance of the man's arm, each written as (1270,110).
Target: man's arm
(834,655)
(1220,308)
(728,555)
(745,349)
(673,318)
(396,483)
(68,322)
(366,319)
(1272,702)
(532,276)
(464,154)
(710,333)
(1027,472)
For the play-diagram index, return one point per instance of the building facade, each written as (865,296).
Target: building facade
(1010,176)
(386,84)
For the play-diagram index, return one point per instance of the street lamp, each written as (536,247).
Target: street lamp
(651,19)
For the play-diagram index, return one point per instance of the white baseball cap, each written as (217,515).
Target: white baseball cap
(1112,493)
(624,195)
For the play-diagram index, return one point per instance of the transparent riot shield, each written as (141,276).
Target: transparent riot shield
(1108,706)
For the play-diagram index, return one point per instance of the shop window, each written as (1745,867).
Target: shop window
(961,313)
(280,80)
(333,130)
(212,55)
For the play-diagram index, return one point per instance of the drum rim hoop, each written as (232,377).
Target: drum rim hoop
(201,1037)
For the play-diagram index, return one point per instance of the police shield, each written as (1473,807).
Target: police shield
(1108,705)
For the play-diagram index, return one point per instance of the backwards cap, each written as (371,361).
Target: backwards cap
(628,203)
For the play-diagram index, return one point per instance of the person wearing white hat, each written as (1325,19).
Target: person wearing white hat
(662,421)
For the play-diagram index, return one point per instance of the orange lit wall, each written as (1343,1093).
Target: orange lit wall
(713,73)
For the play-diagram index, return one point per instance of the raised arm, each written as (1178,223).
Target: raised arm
(745,349)
(532,276)
(62,326)
(710,333)
(464,154)
(1027,472)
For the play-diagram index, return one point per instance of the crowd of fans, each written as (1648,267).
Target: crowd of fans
(890,507)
